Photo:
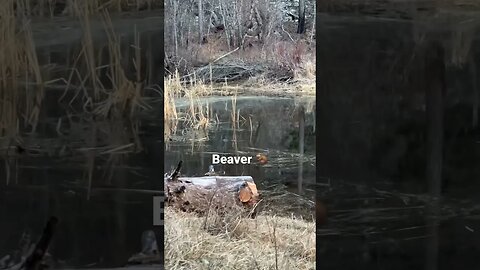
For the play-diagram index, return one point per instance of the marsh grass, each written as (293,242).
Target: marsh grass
(97,84)
(271,67)
(23,81)
(126,95)
(278,65)
(102,75)
(198,115)
(19,64)
(170,116)
(237,242)
(10,70)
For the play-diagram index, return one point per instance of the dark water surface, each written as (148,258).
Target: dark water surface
(267,125)
(398,143)
(99,225)
(96,174)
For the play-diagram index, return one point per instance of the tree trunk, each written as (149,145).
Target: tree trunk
(301,17)
(312,35)
(200,21)
(175,31)
(301,147)
(434,99)
(475,94)
(435,90)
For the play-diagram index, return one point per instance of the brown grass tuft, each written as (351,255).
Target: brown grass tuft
(267,242)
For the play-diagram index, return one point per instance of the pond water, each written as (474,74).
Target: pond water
(268,125)
(384,102)
(45,182)
(96,174)
(103,198)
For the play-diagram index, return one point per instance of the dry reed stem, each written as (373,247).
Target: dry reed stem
(19,61)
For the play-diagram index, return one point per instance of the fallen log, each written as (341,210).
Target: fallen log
(219,193)
(223,72)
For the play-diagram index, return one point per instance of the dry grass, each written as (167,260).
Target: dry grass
(267,242)
(10,69)
(281,63)
(114,91)
(301,85)
(265,65)
(20,66)
(19,63)
(198,116)
(97,72)
(285,54)
(126,94)
(170,116)
(305,76)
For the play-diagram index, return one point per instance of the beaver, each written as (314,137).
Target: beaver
(262,158)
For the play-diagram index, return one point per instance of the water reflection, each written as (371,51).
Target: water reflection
(280,128)
(96,181)
(96,170)
(398,139)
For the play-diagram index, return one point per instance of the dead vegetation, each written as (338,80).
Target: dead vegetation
(198,115)
(99,82)
(230,49)
(236,242)
(217,47)
(19,62)
(280,61)
(232,41)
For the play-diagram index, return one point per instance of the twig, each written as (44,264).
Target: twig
(275,244)
(225,55)
(176,172)
(59,126)
(33,261)
(283,29)
(208,209)
(117,149)
(252,213)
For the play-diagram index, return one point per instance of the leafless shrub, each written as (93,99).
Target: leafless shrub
(232,21)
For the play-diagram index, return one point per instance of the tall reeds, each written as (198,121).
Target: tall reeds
(197,115)
(172,88)
(19,63)
(106,81)
(126,95)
